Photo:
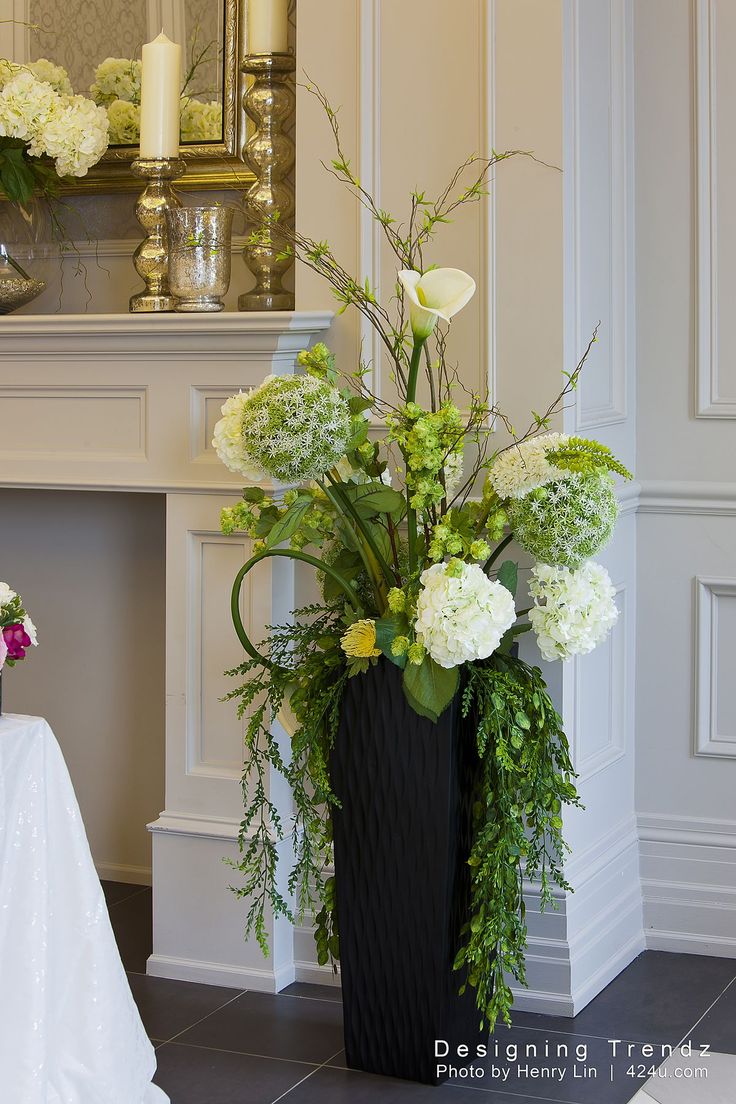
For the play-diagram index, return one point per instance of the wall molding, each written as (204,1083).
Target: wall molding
(220,973)
(683,497)
(120,872)
(615,409)
(370,234)
(708,741)
(688,876)
(709,401)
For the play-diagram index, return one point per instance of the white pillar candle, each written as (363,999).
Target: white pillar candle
(268,26)
(160,96)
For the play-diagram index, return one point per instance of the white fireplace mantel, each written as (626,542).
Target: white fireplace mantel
(128,402)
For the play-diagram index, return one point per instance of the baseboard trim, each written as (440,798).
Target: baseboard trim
(687,943)
(119,872)
(219,973)
(314,974)
(610,969)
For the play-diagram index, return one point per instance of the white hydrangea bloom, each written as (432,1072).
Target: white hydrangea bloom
(573,610)
(6,595)
(117,79)
(228,438)
(461,613)
(26,107)
(200,121)
(524,467)
(55,75)
(76,136)
(124,119)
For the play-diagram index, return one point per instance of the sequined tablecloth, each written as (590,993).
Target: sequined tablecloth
(70,1032)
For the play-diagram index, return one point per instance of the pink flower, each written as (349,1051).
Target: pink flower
(3,651)
(16,640)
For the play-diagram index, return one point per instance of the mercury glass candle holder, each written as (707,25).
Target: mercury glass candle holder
(151,256)
(269,152)
(199,256)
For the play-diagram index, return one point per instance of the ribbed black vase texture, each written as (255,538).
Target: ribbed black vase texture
(402,840)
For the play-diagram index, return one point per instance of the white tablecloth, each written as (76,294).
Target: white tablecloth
(70,1032)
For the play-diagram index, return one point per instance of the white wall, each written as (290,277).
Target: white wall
(90,566)
(686,280)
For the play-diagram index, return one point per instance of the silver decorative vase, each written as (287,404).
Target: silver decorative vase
(199,256)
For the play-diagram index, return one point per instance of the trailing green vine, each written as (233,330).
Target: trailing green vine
(305,663)
(526,778)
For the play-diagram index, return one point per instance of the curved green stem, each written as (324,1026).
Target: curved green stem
(497,552)
(352,540)
(411,394)
(291,554)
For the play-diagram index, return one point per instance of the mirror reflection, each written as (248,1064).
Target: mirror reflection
(94,47)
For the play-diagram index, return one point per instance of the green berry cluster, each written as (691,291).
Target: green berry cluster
(426,439)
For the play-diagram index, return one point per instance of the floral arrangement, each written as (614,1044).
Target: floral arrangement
(412,574)
(17,631)
(117,88)
(40,118)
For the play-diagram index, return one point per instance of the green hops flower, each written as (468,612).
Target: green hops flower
(318,361)
(399,645)
(295,427)
(567,521)
(396,600)
(480,550)
(416,653)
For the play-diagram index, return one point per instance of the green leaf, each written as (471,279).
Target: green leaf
(508,576)
(254,494)
(16,175)
(373,498)
(287,525)
(387,629)
(430,688)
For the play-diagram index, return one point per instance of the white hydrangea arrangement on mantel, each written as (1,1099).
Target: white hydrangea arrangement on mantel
(407,532)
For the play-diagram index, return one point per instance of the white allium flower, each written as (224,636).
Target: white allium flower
(573,610)
(55,75)
(6,595)
(228,438)
(30,628)
(461,613)
(524,467)
(124,119)
(568,521)
(76,136)
(200,122)
(117,79)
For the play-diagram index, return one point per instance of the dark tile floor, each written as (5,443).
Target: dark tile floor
(225,1046)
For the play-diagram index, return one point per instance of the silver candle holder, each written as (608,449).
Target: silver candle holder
(270,154)
(151,258)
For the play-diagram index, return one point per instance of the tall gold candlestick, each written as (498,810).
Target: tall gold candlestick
(151,258)
(270,153)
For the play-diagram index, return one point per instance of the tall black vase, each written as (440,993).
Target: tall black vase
(402,839)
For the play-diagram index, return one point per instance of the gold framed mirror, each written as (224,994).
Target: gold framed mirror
(98,45)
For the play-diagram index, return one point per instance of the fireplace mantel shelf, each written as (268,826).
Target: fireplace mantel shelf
(129,401)
(240,323)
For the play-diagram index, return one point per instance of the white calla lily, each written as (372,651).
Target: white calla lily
(439,293)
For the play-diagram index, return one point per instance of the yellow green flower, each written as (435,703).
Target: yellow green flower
(396,600)
(359,641)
